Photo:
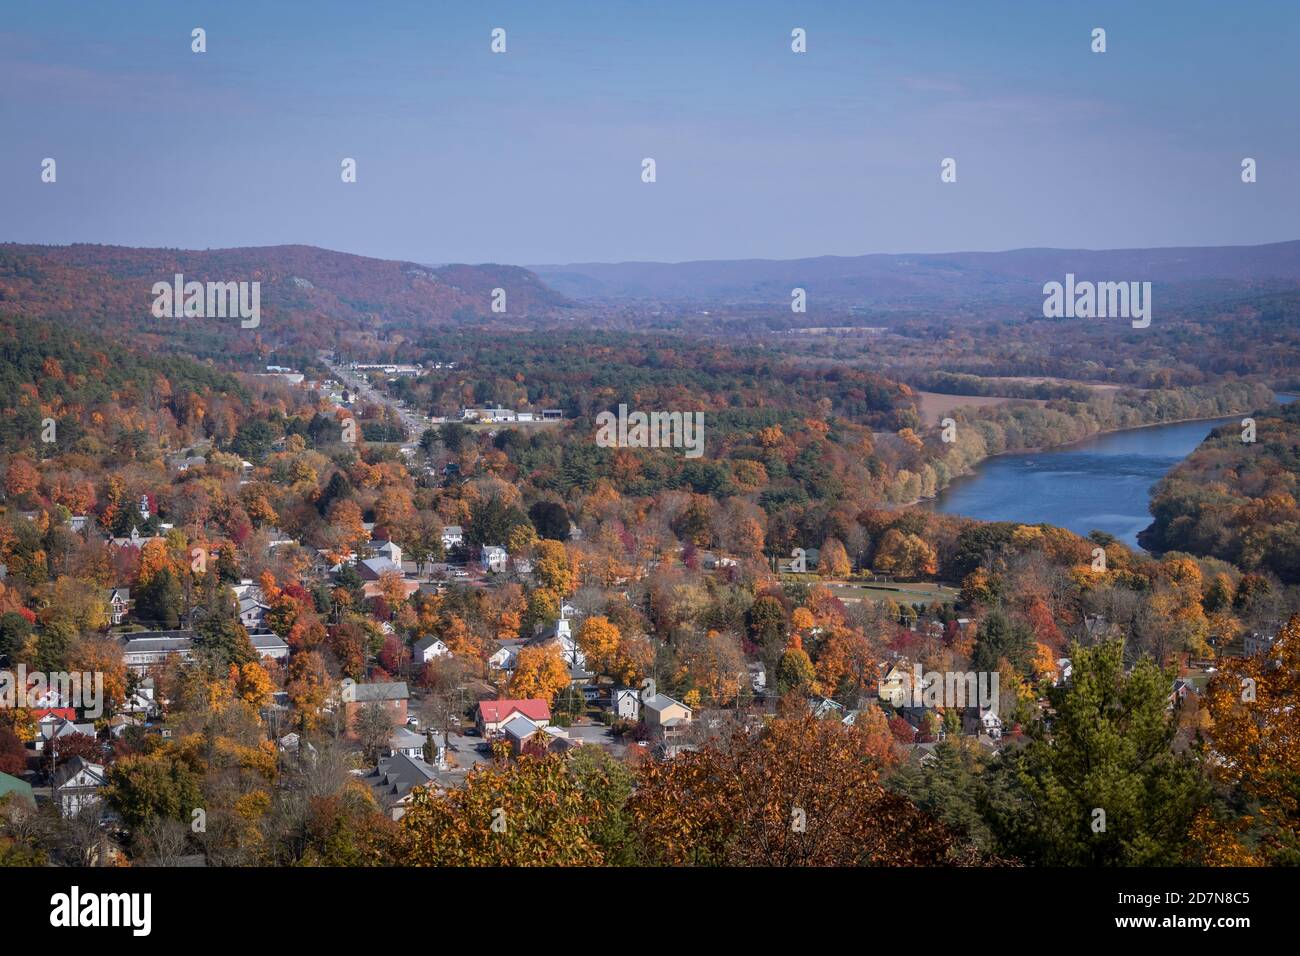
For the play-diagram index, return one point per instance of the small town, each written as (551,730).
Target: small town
(748,445)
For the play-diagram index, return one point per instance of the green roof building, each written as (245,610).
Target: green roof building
(22,788)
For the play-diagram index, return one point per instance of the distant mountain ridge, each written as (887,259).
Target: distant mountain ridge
(924,278)
(309,296)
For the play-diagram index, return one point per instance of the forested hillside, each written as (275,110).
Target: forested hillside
(1236,500)
(310,298)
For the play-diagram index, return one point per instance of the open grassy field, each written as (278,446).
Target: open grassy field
(910,593)
(935,407)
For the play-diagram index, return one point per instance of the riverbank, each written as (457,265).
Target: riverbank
(1103,483)
(972,466)
(1049,449)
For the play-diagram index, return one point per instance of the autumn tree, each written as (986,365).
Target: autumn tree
(553,568)
(905,555)
(833,560)
(598,638)
(1253,751)
(532,812)
(801,792)
(539,672)
(309,687)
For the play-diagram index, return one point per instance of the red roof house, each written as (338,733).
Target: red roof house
(495,714)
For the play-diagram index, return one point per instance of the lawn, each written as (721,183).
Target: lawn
(919,592)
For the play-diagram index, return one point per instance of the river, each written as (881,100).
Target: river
(1101,483)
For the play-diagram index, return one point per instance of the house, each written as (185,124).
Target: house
(452,536)
(982,720)
(277,538)
(671,747)
(371,569)
(407,742)
(493,715)
(142,701)
(505,656)
(1189,685)
(119,724)
(711,561)
(134,540)
(579,676)
(1259,642)
(821,707)
(21,790)
(269,646)
(392,696)
(625,702)
(51,729)
(395,777)
(76,785)
(119,603)
(519,732)
(494,558)
(180,463)
(387,549)
(1064,670)
(757,676)
(665,713)
(252,612)
(427,648)
(1096,626)
(142,650)
(895,688)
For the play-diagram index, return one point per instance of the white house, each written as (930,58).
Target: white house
(505,657)
(452,536)
(427,648)
(76,785)
(625,702)
(494,558)
(119,602)
(986,721)
(406,742)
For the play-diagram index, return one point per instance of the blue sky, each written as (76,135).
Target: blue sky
(534,156)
